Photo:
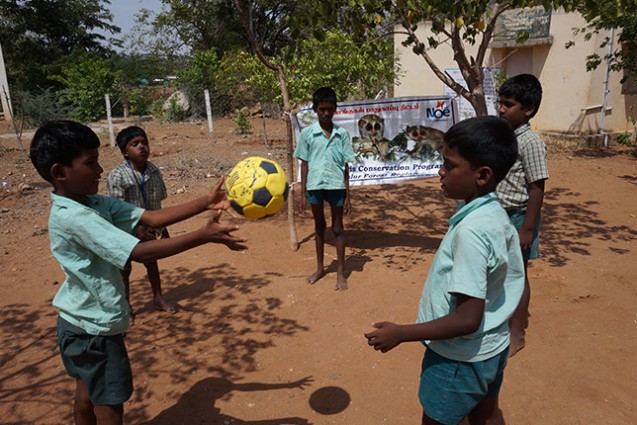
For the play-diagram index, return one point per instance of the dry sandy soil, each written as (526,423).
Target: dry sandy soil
(254,344)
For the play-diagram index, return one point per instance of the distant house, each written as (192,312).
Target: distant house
(573,98)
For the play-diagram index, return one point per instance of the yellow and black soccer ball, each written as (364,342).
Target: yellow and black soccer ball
(257,187)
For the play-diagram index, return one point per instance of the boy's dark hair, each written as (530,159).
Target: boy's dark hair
(60,142)
(128,134)
(525,88)
(324,94)
(484,141)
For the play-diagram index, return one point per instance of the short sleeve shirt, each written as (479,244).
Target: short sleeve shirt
(327,159)
(529,167)
(146,190)
(92,243)
(479,257)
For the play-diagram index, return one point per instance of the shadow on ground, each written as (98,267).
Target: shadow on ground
(572,227)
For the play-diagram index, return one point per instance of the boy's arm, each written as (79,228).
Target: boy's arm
(347,207)
(533,208)
(304,171)
(215,200)
(464,320)
(213,231)
(114,185)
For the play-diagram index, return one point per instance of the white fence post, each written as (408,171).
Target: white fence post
(111,134)
(209,113)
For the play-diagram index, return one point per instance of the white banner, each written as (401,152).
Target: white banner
(394,139)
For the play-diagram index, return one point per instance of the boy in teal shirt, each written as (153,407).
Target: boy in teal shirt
(474,284)
(325,149)
(91,239)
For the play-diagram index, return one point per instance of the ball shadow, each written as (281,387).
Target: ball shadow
(329,400)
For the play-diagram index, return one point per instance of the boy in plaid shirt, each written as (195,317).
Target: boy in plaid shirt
(521,193)
(139,182)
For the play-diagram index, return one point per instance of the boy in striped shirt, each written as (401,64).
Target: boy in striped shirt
(521,193)
(139,182)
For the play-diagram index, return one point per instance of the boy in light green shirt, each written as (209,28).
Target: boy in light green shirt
(90,238)
(325,150)
(474,284)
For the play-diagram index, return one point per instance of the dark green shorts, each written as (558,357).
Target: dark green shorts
(100,361)
(333,197)
(450,389)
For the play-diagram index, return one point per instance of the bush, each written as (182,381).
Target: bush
(140,101)
(241,123)
(86,81)
(625,139)
(42,106)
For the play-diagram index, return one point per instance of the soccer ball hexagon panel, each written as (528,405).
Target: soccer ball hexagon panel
(257,187)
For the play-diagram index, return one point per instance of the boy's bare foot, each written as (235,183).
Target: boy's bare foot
(315,276)
(341,283)
(517,343)
(163,305)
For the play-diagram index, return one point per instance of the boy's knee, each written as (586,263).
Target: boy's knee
(319,226)
(338,230)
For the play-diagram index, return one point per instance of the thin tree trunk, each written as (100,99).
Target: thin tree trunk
(294,240)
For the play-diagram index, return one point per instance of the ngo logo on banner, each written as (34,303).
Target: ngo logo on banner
(394,139)
(441,112)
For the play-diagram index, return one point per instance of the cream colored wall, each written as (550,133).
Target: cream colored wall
(572,97)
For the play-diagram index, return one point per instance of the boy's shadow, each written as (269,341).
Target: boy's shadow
(197,405)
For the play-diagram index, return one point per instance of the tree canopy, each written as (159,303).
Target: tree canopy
(38,36)
(607,15)
(343,43)
(460,24)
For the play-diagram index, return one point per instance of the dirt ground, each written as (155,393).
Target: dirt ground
(254,344)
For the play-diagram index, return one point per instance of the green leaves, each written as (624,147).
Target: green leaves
(85,83)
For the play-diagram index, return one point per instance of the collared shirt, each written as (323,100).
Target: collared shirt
(479,257)
(146,190)
(92,243)
(529,167)
(327,159)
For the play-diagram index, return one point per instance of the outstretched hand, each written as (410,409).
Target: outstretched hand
(219,233)
(385,337)
(217,199)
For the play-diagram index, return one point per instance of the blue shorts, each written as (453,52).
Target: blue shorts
(517,219)
(100,361)
(450,389)
(333,197)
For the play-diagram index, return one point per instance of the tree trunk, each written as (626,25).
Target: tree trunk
(245,22)
(294,240)
(480,105)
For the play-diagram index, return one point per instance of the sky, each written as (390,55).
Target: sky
(124,11)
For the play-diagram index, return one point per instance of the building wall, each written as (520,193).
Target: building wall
(572,97)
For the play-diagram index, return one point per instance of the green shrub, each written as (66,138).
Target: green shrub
(86,80)
(140,102)
(241,123)
(625,139)
(42,106)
